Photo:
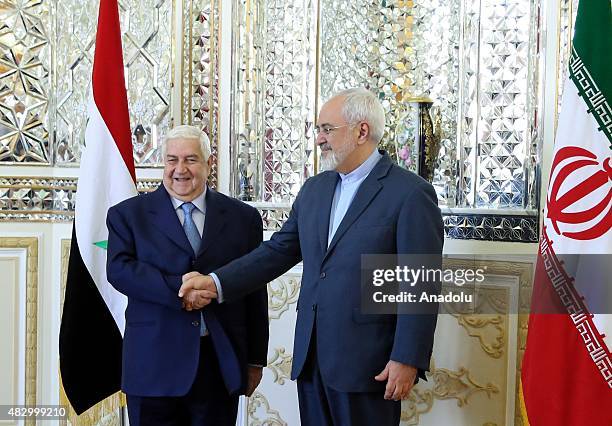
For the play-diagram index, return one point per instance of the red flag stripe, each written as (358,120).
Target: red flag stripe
(109,83)
(561,383)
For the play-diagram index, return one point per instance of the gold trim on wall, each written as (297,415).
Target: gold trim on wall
(30,244)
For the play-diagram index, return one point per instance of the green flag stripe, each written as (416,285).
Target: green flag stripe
(597,105)
(593,42)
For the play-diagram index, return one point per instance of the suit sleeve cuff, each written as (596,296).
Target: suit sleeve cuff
(218,285)
(256,365)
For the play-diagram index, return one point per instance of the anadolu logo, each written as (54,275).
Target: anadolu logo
(562,206)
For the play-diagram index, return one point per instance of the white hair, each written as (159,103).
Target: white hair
(362,105)
(185,131)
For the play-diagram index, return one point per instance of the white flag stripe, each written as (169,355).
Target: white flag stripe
(577,127)
(104,180)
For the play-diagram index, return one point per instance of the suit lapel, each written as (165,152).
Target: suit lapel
(166,218)
(328,187)
(365,194)
(214,222)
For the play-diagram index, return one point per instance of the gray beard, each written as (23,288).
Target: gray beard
(329,162)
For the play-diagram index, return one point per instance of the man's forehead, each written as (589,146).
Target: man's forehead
(331,110)
(183,146)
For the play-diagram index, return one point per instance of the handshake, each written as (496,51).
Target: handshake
(197,290)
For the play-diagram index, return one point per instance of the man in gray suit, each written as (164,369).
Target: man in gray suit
(351,368)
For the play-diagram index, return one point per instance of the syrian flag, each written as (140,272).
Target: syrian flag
(566,376)
(93,316)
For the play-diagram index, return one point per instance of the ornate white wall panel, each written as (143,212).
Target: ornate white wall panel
(275,402)
(12,327)
(18,320)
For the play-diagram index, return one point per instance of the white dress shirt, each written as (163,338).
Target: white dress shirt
(198,214)
(345,192)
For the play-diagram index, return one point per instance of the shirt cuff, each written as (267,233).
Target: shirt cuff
(218,285)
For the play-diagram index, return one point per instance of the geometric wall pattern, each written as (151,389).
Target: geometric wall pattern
(25,81)
(398,50)
(200,71)
(475,60)
(43,199)
(499,105)
(147,52)
(478,62)
(273,97)
(487,45)
(46,59)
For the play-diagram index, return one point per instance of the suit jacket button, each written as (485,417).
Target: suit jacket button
(196,323)
(322,275)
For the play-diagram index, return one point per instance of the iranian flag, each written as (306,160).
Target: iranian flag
(93,316)
(566,376)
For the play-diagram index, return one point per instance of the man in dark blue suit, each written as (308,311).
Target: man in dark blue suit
(183,365)
(351,368)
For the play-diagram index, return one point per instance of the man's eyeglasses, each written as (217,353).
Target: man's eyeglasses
(327,130)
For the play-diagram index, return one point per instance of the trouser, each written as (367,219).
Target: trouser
(206,404)
(321,405)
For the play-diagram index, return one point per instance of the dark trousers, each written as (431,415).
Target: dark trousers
(321,405)
(206,404)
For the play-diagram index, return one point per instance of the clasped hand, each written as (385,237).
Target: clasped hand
(197,290)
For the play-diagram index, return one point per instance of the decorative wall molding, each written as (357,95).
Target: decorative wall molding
(30,245)
(479,326)
(419,402)
(442,384)
(280,365)
(488,322)
(260,414)
(282,292)
(45,199)
(458,385)
(51,199)
(523,229)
